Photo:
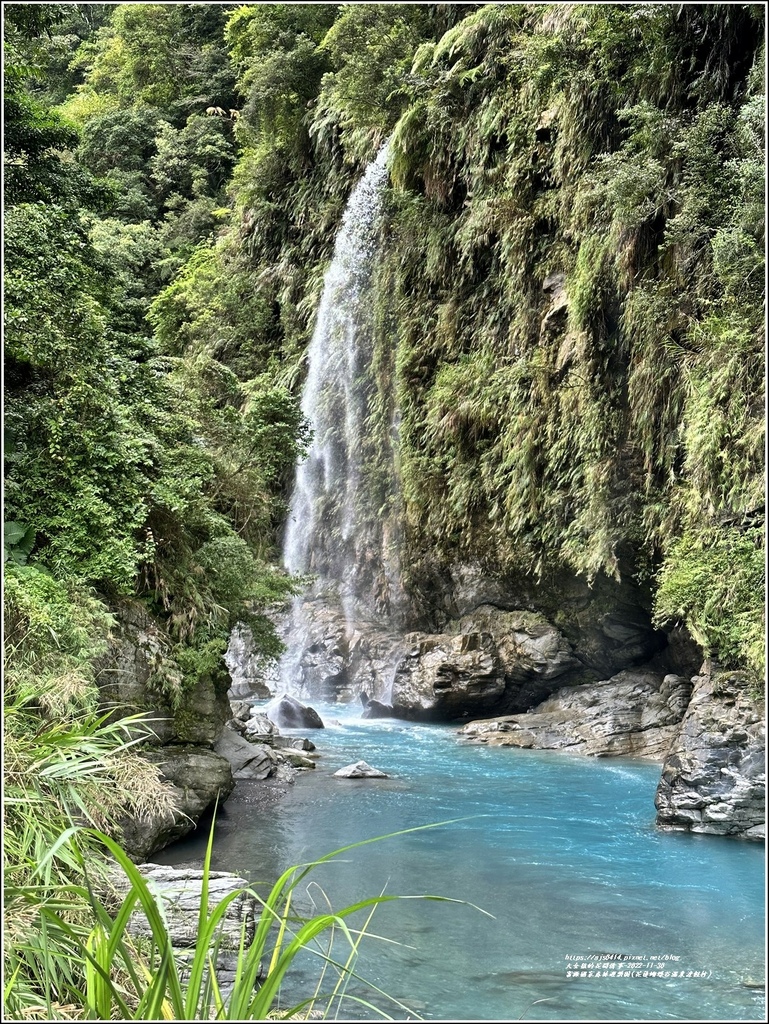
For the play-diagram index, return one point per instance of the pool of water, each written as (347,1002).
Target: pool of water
(561,850)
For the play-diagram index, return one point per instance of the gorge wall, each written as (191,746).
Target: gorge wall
(515,390)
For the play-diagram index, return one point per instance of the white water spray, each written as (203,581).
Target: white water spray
(329,532)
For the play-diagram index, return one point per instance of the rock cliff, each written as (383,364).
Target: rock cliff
(713,777)
(185,720)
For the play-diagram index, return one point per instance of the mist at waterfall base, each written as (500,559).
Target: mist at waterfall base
(562,850)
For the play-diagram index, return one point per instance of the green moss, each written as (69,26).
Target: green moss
(716,587)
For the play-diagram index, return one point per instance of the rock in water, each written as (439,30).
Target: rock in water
(713,778)
(376,709)
(360,770)
(289,713)
(635,713)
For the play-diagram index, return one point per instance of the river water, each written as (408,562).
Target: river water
(561,850)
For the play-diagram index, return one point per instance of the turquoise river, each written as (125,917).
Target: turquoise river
(561,850)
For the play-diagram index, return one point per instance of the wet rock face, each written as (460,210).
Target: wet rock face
(607,623)
(713,778)
(445,676)
(331,658)
(633,713)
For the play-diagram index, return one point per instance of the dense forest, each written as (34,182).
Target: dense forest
(571,313)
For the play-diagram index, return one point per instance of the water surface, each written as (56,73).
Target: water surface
(562,851)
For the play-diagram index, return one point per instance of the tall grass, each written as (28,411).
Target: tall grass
(99,971)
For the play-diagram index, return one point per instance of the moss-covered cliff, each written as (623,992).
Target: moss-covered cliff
(567,328)
(570,294)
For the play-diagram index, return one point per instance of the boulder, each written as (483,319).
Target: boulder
(713,777)
(441,676)
(198,777)
(241,713)
(248,760)
(259,728)
(289,713)
(376,709)
(359,770)
(634,713)
(534,655)
(293,743)
(179,891)
(252,759)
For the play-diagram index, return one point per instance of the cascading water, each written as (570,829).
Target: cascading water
(335,531)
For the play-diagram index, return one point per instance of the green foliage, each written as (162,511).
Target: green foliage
(275,49)
(33,133)
(370,47)
(72,769)
(116,976)
(126,465)
(716,587)
(59,372)
(18,541)
(214,305)
(52,631)
(602,421)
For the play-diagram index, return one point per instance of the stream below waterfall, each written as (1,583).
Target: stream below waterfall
(562,850)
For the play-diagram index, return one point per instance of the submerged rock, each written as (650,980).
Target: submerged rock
(360,770)
(713,778)
(633,713)
(289,713)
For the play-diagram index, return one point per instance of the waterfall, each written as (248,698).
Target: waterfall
(335,530)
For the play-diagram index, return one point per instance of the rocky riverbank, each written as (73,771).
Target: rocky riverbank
(556,666)
(202,745)
(512,674)
(713,778)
